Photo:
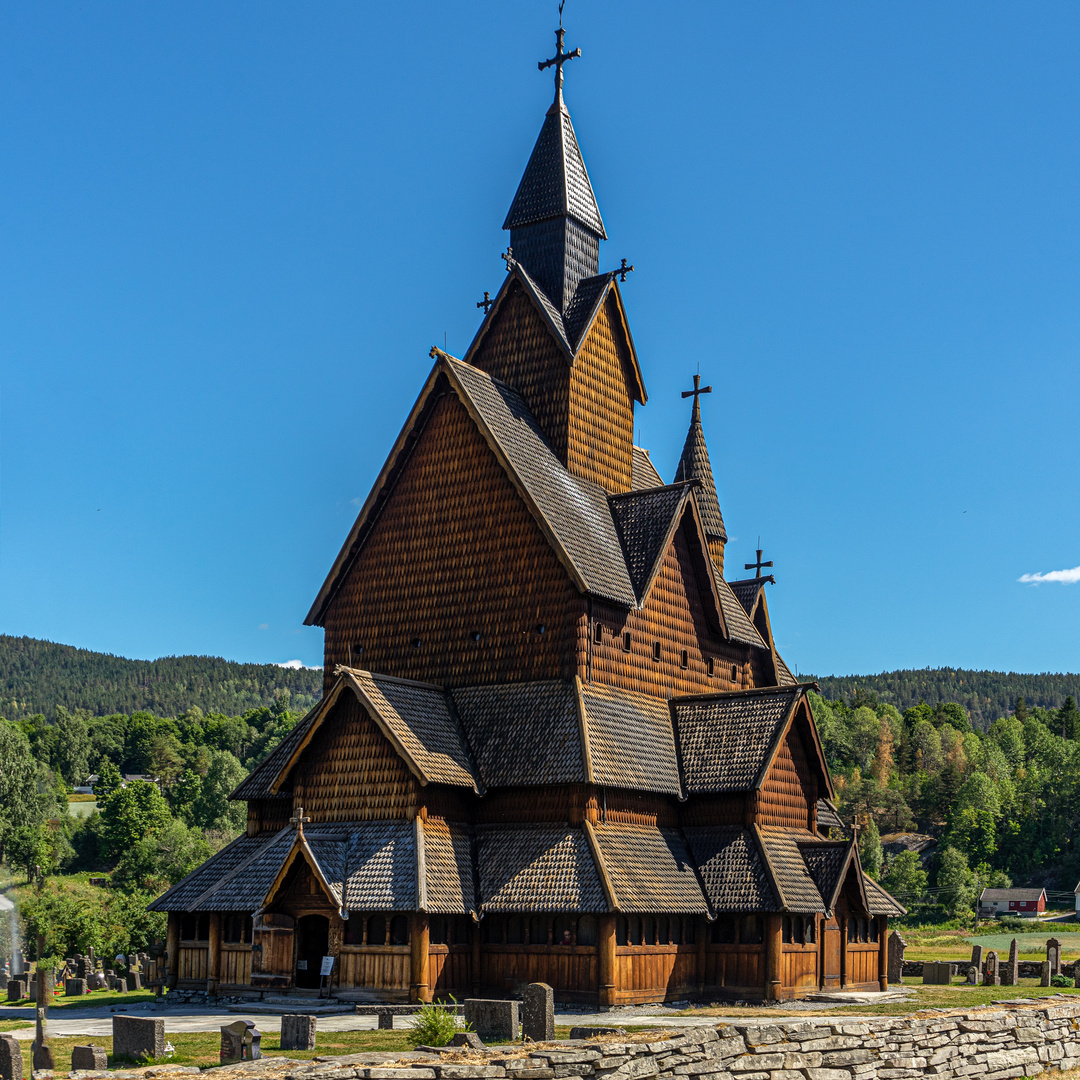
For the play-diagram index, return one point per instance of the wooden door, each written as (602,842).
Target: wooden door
(272,952)
(830,953)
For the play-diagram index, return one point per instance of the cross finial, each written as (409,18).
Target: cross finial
(622,271)
(695,416)
(487,303)
(560,58)
(507,257)
(299,820)
(757,565)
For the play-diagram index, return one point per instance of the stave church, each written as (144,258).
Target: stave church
(556,743)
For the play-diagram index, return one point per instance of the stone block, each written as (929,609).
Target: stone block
(1046,969)
(11,1062)
(538,1012)
(16,989)
(494,1020)
(74,987)
(134,980)
(592,1032)
(138,1037)
(469,1039)
(297,1032)
(896,945)
(386,1020)
(934,974)
(89,1058)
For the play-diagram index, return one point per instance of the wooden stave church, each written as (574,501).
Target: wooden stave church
(555,743)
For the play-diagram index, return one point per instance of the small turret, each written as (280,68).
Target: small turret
(694,464)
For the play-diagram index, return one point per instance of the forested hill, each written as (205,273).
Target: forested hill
(37,676)
(986,695)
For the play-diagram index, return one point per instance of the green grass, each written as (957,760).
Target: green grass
(81,805)
(98,999)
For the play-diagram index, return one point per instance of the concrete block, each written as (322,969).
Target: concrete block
(16,989)
(89,1059)
(492,1019)
(138,1037)
(937,974)
(297,1032)
(74,987)
(538,1013)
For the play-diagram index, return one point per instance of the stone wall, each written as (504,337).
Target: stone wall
(1029,969)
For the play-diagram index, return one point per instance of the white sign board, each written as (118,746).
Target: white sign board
(327,966)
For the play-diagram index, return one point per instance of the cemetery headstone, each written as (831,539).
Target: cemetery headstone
(74,987)
(1044,973)
(1053,955)
(16,989)
(896,957)
(41,1050)
(467,1038)
(134,980)
(138,1037)
(1010,973)
(976,956)
(240,1042)
(935,974)
(89,1059)
(11,1063)
(297,1031)
(991,976)
(973,976)
(538,1013)
(493,1019)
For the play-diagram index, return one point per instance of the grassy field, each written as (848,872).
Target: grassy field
(934,944)
(99,999)
(81,805)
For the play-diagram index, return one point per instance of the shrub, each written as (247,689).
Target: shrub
(436,1025)
(1061,980)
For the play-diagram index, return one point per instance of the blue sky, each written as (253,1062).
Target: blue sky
(229,234)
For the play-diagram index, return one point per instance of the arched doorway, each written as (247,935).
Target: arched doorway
(312,943)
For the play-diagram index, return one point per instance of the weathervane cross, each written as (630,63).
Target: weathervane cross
(696,395)
(561,56)
(758,564)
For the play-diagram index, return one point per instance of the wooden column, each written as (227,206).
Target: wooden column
(172,950)
(774,957)
(702,938)
(843,951)
(883,951)
(213,959)
(606,942)
(420,946)
(474,972)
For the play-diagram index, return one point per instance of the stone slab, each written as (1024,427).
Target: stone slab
(89,1058)
(11,1062)
(298,1031)
(538,1012)
(493,1019)
(138,1036)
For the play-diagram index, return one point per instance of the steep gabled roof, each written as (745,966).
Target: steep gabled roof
(694,464)
(827,863)
(555,182)
(643,472)
(732,868)
(645,521)
(786,867)
(739,626)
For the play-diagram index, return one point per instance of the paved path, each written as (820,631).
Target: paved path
(98,1022)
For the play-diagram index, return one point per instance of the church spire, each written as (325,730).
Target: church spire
(554,222)
(695,465)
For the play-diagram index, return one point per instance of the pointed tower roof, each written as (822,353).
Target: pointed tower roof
(555,183)
(695,465)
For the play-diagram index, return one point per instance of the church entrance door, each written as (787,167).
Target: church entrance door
(830,953)
(313,941)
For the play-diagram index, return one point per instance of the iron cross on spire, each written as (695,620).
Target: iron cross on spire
(696,395)
(758,564)
(561,56)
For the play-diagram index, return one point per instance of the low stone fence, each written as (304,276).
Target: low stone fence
(1029,969)
(991,1044)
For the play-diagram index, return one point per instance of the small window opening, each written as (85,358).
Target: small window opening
(734,673)
(684,659)
(598,633)
(357,653)
(786,930)
(474,637)
(416,643)
(656,650)
(711,667)
(626,641)
(541,629)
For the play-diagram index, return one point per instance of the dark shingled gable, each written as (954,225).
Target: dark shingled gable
(825,863)
(448,867)
(746,592)
(731,869)
(523,733)
(880,902)
(643,472)
(631,744)
(781,848)
(650,869)
(643,520)
(725,739)
(537,867)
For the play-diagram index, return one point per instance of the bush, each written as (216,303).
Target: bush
(1061,980)
(436,1025)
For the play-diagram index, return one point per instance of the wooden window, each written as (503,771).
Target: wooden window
(236,929)
(723,930)
(676,930)
(539,925)
(711,667)
(810,929)
(656,650)
(399,930)
(564,930)
(195,927)
(752,930)
(515,930)
(354,929)
(586,930)
(684,659)
(786,931)
(734,673)
(662,930)
(356,654)
(598,633)
(491,930)
(626,641)
(648,930)
(621,937)
(437,930)
(417,642)
(376,930)
(474,637)
(852,931)
(633,929)
(872,935)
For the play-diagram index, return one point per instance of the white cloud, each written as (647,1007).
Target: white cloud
(264,626)
(1061,577)
(299,665)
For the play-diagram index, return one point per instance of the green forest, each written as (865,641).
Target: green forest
(984,695)
(41,676)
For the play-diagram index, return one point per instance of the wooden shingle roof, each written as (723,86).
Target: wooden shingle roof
(732,869)
(787,869)
(450,883)
(643,472)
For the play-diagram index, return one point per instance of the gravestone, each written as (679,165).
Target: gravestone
(592,1032)
(896,957)
(16,989)
(977,956)
(386,1020)
(95,981)
(134,980)
(538,1013)
(40,1048)
(493,1019)
(80,966)
(1053,955)
(1010,973)
(1044,973)
(934,974)
(138,1036)
(89,1058)
(973,976)
(240,1042)
(11,1063)
(1076,974)
(991,976)
(74,987)
(467,1038)
(118,985)
(297,1032)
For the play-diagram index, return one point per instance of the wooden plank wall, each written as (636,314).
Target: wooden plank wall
(379,967)
(799,969)
(565,968)
(782,799)
(862,964)
(234,965)
(654,972)
(735,967)
(194,961)
(450,969)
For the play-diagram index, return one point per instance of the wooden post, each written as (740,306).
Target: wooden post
(475,966)
(883,951)
(607,974)
(214,953)
(774,956)
(843,951)
(172,950)
(702,938)
(420,945)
